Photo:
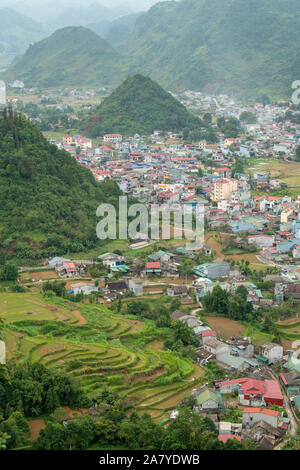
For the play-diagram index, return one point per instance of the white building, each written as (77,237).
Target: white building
(2,94)
(214,346)
(2,353)
(272,351)
(114,138)
(261,241)
(254,415)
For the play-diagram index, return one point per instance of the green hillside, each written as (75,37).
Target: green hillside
(17,31)
(238,46)
(141,106)
(100,350)
(47,201)
(72,56)
(115,32)
(242,47)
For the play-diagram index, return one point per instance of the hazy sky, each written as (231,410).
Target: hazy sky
(136,5)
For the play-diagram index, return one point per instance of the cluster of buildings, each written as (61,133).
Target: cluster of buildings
(162,169)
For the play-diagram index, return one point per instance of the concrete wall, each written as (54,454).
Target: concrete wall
(210,405)
(256,417)
(2,353)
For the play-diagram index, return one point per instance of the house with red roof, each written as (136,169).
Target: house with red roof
(208,334)
(153,267)
(254,415)
(225,437)
(254,392)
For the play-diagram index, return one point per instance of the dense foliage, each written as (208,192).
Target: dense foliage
(71,56)
(32,390)
(114,429)
(47,201)
(236,46)
(233,306)
(141,106)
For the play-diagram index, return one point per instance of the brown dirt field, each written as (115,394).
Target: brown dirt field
(80,318)
(155,346)
(50,349)
(217,248)
(287,344)
(70,412)
(39,275)
(72,283)
(36,426)
(225,327)
(152,290)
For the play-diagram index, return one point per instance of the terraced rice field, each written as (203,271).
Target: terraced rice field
(290,332)
(99,349)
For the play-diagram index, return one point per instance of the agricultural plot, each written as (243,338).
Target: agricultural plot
(225,327)
(213,240)
(289,333)
(98,348)
(286,171)
(39,275)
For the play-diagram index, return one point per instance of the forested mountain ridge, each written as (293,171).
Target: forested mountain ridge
(48,202)
(241,47)
(71,56)
(18,31)
(140,105)
(238,46)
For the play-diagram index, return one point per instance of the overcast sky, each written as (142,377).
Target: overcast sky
(136,5)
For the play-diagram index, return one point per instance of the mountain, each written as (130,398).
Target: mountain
(81,16)
(116,32)
(72,56)
(47,201)
(140,105)
(17,32)
(243,47)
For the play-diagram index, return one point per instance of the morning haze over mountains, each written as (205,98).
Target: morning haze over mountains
(234,46)
(237,46)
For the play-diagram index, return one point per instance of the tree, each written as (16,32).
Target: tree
(53,437)
(175,304)
(190,431)
(3,440)
(141,432)
(59,415)
(80,433)
(216,301)
(186,268)
(9,272)
(17,427)
(248,118)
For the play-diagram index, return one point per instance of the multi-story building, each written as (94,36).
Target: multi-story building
(114,138)
(223,189)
